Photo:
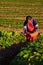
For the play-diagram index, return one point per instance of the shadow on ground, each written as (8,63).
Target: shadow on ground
(7,54)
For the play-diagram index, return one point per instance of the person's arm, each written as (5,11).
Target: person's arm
(25,27)
(35,25)
(25,30)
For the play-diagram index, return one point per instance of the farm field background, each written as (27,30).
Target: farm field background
(14,49)
(13,12)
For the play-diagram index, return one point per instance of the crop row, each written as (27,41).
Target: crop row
(16,23)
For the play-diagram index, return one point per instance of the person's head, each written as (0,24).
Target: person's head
(28,18)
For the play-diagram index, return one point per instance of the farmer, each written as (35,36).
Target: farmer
(30,29)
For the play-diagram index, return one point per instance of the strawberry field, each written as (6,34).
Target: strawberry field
(14,49)
(31,53)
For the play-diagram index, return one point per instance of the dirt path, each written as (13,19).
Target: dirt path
(27,3)
(11,29)
(18,30)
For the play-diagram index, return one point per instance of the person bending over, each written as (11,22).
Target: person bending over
(30,29)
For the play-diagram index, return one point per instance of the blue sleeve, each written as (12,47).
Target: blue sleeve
(34,22)
(24,31)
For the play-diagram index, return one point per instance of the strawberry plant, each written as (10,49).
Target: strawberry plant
(7,38)
(31,54)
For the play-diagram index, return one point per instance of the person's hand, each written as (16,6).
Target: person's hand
(25,34)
